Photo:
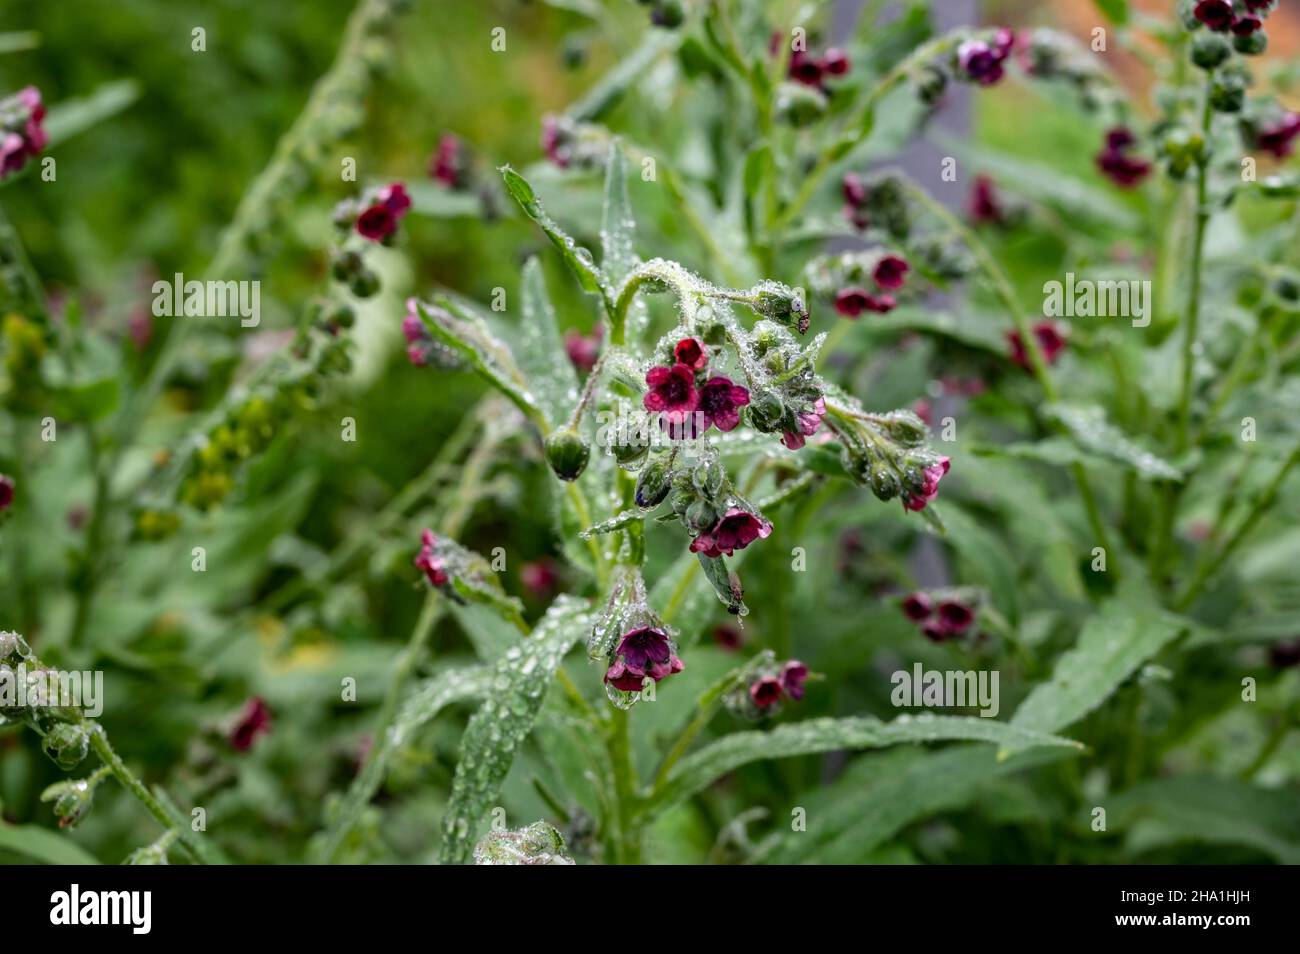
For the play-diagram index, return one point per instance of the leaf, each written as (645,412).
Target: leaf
(611,87)
(576,258)
(1212,810)
(435,201)
(425,701)
(18,41)
(974,329)
(73,116)
(617,522)
(697,771)
(495,732)
(618,224)
(1116,11)
(725,583)
(1127,632)
(551,377)
(881,794)
(43,845)
(1088,426)
(987,556)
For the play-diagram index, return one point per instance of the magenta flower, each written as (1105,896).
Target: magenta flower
(447,166)
(395,199)
(728,637)
(955,616)
(720,402)
(253,722)
(805,69)
(556,142)
(26,137)
(380,219)
(917,607)
(736,530)
(1247,24)
(418,340)
(6,492)
(539,577)
(890,272)
(429,563)
(984,206)
(1278,137)
(766,691)
(642,652)
(854,189)
(583,350)
(1215,14)
(983,62)
(672,394)
(793,675)
(808,424)
(929,486)
(853,301)
(933,630)
(1050,342)
(1117,164)
(690,352)
(835,62)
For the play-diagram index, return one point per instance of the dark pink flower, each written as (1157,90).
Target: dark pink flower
(26,136)
(1122,169)
(555,142)
(642,652)
(805,69)
(1050,342)
(981,62)
(429,563)
(808,424)
(933,630)
(917,606)
(728,637)
(923,409)
(1247,24)
(583,350)
(835,62)
(6,492)
(720,402)
(377,222)
(672,395)
(1278,137)
(955,616)
(929,486)
(984,207)
(253,722)
(765,691)
(394,198)
(539,576)
(447,167)
(1215,14)
(736,530)
(793,675)
(854,189)
(690,352)
(853,301)
(890,272)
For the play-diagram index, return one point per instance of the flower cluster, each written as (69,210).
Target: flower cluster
(879,203)
(859,282)
(428,562)
(376,215)
(422,348)
(1243,21)
(948,616)
(767,688)
(887,453)
(981,60)
(21,134)
(64,729)
(1116,161)
(636,648)
(687,399)
(811,70)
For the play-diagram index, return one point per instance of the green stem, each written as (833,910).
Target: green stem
(1198,249)
(627,839)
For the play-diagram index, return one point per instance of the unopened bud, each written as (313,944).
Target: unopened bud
(567,453)
(653,484)
(67,744)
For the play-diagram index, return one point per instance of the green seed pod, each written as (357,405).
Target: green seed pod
(567,453)
(884,483)
(1210,50)
(364,283)
(1252,44)
(67,744)
(669,14)
(699,516)
(654,483)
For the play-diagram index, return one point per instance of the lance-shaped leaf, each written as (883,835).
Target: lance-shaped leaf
(68,118)
(618,224)
(520,679)
(462,331)
(1112,645)
(551,378)
(420,707)
(1096,435)
(611,87)
(725,583)
(577,258)
(697,771)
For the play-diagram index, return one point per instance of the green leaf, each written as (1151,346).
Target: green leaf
(495,732)
(617,522)
(882,793)
(43,845)
(697,771)
(611,87)
(1116,11)
(986,556)
(437,202)
(550,377)
(1128,631)
(18,41)
(1209,810)
(1088,426)
(721,579)
(618,224)
(424,702)
(578,259)
(70,117)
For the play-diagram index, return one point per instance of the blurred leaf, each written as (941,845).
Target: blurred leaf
(435,201)
(73,116)
(611,87)
(1116,11)
(715,571)
(18,41)
(974,329)
(43,845)
(550,375)
(519,683)
(618,224)
(700,769)
(1092,432)
(987,557)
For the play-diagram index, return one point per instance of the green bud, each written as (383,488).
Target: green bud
(343,316)
(884,483)
(567,453)
(364,283)
(767,411)
(67,744)
(782,304)
(905,428)
(1252,44)
(699,516)
(653,484)
(669,14)
(1210,50)
(538,844)
(930,83)
(1287,287)
(72,799)
(800,105)
(630,452)
(346,264)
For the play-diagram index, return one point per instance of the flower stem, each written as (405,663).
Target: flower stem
(1198,250)
(627,835)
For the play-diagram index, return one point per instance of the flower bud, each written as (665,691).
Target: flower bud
(73,799)
(67,744)
(538,844)
(1250,44)
(799,104)
(1209,50)
(364,283)
(767,411)
(884,482)
(787,306)
(567,453)
(669,14)
(930,82)
(905,428)
(653,484)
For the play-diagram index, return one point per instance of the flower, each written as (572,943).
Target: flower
(1116,164)
(923,409)
(805,69)
(1277,137)
(766,691)
(447,166)
(917,606)
(690,352)
(435,571)
(380,219)
(835,62)
(854,189)
(1215,14)
(254,721)
(6,492)
(890,272)
(642,652)
(728,637)
(556,142)
(24,136)
(672,394)
(982,62)
(955,616)
(984,207)
(793,675)
(1050,343)
(539,576)
(929,485)
(934,631)
(583,350)
(736,530)
(808,424)
(419,342)
(853,301)
(1247,24)
(720,402)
